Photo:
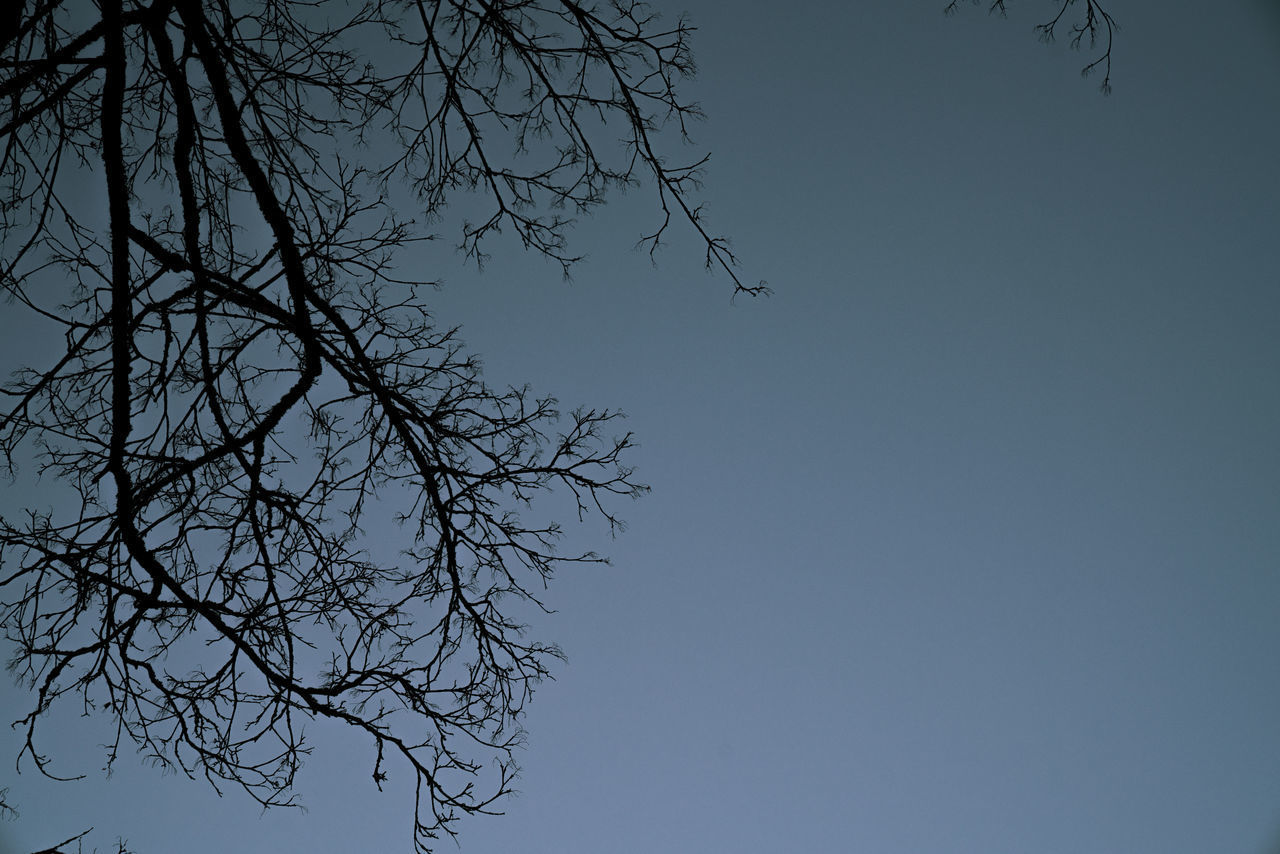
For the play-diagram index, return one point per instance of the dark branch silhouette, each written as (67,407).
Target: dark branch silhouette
(245,377)
(1094,24)
(203,204)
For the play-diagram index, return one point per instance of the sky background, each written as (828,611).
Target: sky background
(965,541)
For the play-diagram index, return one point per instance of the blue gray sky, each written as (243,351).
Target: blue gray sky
(965,541)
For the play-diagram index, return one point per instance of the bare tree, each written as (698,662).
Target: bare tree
(243,375)
(203,204)
(1093,25)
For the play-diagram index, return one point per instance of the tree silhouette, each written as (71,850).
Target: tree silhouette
(203,204)
(244,376)
(1094,25)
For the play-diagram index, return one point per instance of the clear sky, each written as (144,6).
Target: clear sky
(965,541)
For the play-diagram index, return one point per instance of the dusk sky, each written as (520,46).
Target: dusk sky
(964,541)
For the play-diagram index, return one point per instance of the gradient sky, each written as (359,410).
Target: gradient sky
(966,541)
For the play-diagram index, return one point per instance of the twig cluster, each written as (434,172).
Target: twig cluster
(1095,24)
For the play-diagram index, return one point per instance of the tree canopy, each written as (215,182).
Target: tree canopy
(203,204)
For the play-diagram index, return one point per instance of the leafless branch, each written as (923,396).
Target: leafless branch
(1095,25)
